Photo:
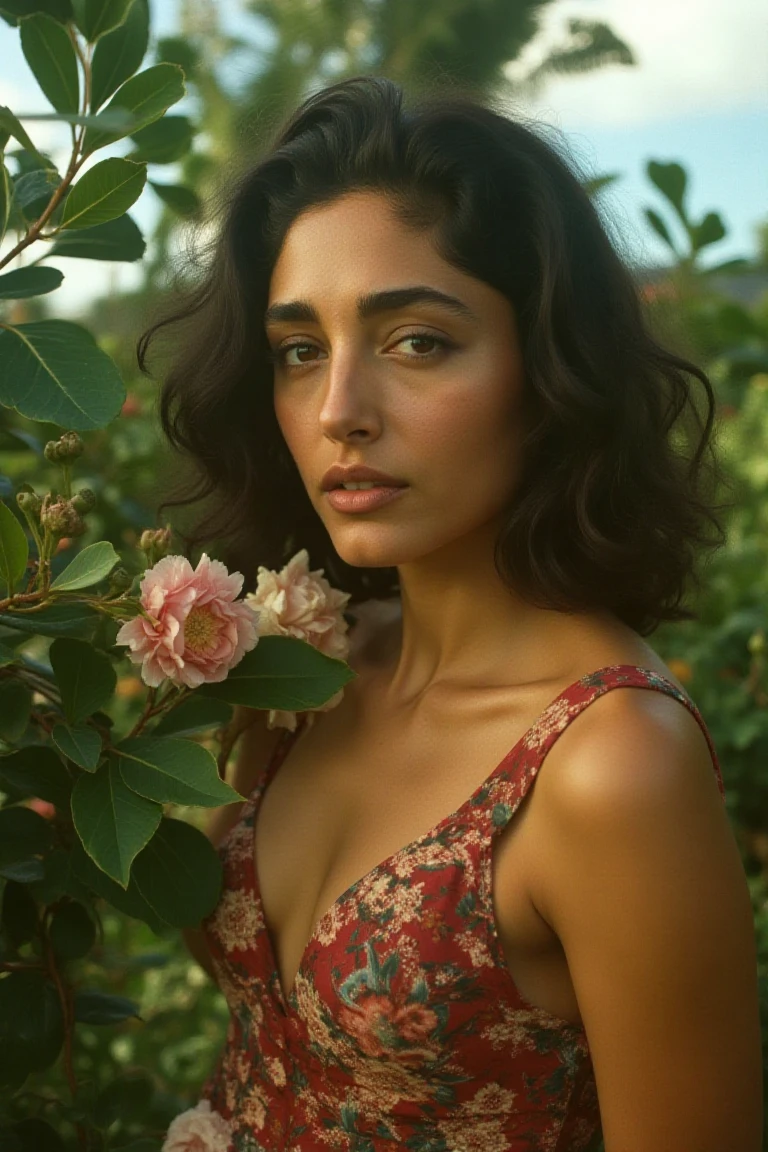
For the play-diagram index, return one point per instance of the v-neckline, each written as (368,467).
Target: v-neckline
(289,999)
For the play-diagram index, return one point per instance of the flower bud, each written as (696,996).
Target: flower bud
(29,502)
(156,541)
(61,519)
(84,500)
(119,581)
(64,450)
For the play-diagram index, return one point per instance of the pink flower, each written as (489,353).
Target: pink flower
(297,602)
(196,631)
(199,1129)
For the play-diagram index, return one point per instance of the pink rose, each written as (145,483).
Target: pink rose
(297,602)
(196,631)
(199,1129)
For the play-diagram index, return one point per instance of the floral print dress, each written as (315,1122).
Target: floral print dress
(404,1027)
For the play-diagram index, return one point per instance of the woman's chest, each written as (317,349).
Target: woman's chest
(343,803)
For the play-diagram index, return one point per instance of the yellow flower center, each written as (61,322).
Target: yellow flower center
(200,630)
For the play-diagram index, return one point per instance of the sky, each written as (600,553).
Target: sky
(698,95)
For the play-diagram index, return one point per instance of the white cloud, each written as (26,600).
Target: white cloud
(691,58)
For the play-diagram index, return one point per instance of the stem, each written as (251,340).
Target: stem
(21,598)
(231,734)
(65,1000)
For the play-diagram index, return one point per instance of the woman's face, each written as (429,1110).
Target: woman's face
(425,391)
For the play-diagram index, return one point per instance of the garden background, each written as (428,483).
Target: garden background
(662,117)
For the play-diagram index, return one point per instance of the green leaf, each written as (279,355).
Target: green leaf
(282,673)
(93,1007)
(72,932)
(15,706)
(19,915)
(118,54)
(85,677)
(7,655)
(178,50)
(105,192)
(6,191)
(37,1136)
(91,565)
(50,54)
(179,874)
(709,231)
(113,823)
(59,9)
(118,120)
(163,142)
(24,282)
(78,742)
(172,771)
(24,835)
(97,17)
(671,181)
(660,228)
(14,550)
(118,240)
(147,95)
(59,620)
(181,200)
(194,714)
(36,771)
(12,125)
(33,190)
(129,900)
(31,1025)
(54,370)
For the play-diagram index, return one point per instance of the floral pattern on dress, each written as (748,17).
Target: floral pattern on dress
(404,1027)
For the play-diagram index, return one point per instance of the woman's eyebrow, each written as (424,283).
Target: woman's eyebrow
(372,303)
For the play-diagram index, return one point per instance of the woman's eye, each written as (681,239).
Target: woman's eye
(305,353)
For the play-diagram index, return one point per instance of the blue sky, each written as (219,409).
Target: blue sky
(699,95)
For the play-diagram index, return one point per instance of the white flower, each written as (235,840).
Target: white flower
(297,602)
(199,1129)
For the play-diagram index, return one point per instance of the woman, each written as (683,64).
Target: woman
(418,947)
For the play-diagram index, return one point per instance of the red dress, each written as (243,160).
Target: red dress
(404,1027)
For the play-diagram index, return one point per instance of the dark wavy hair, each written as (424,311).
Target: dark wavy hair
(612,503)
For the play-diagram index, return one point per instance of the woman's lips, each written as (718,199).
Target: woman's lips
(363,499)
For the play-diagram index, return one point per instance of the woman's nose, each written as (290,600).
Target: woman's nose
(349,404)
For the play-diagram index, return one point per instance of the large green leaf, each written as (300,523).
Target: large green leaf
(97,17)
(36,771)
(282,673)
(163,142)
(147,96)
(17,9)
(24,282)
(180,199)
(85,677)
(24,835)
(31,1025)
(32,192)
(179,874)
(14,550)
(113,823)
(128,900)
(105,192)
(54,370)
(11,124)
(90,566)
(671,180)
(80,743)
(118,240)
(15,706)
(59,620)
(6,191)
(194,714)
(118,54)
(172,771)
(51,56)
(94,1007)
